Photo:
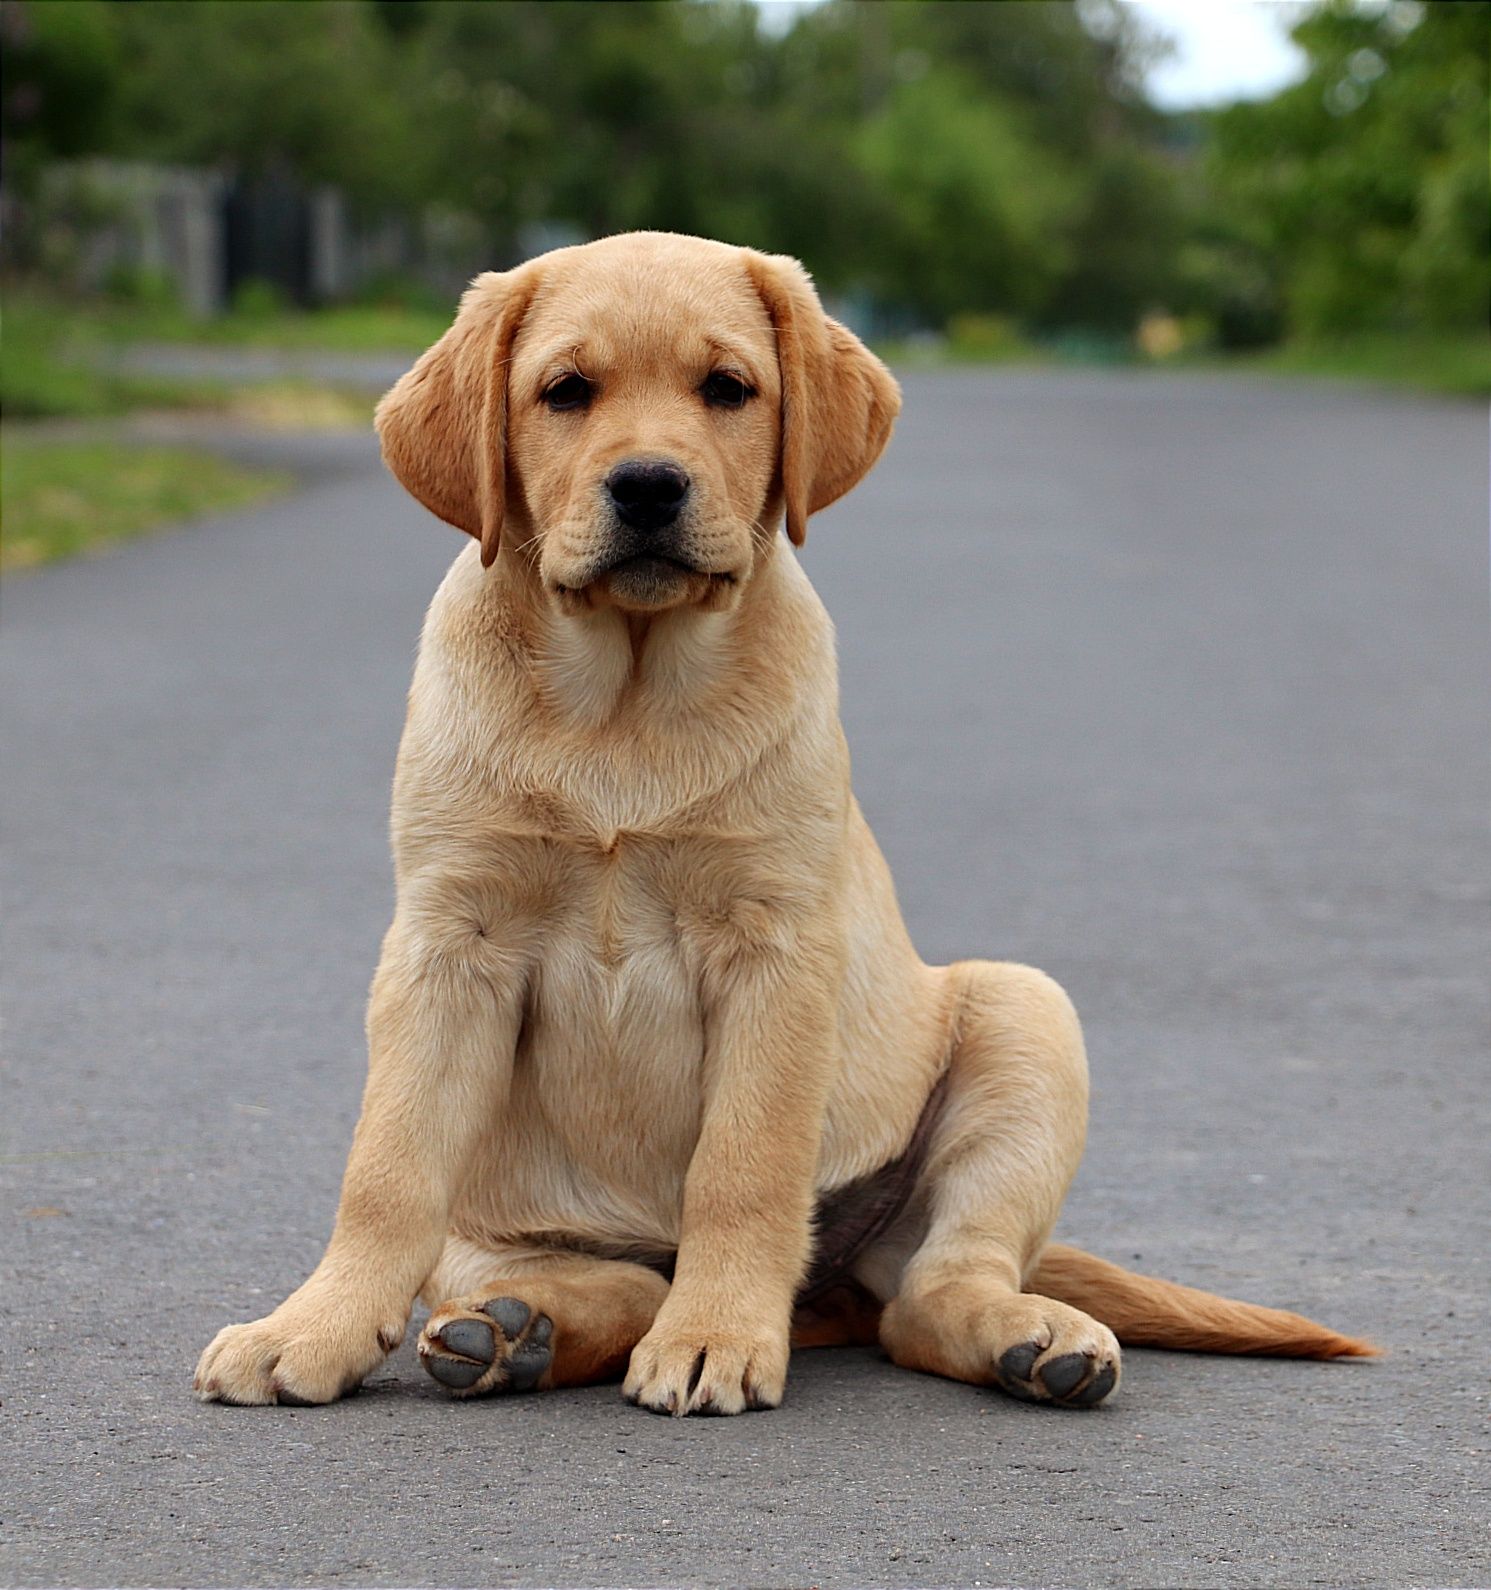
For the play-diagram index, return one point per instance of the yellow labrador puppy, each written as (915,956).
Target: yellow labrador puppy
(656,1078)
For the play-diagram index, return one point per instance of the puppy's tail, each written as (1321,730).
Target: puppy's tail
(1143,1311)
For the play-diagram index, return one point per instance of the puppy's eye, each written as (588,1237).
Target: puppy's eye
(568,392)
(726,391)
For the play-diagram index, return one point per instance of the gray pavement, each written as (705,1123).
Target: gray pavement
(1174,686)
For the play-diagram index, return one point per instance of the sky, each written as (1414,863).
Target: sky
(1224,49)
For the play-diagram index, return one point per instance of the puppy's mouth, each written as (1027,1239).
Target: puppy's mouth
(646,567)
(649,581)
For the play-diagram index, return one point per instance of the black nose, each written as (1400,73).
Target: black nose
(647,496)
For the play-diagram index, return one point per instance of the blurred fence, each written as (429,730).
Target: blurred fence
(206,239)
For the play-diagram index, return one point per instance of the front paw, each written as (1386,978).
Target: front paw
(682,1369)
(298,1355)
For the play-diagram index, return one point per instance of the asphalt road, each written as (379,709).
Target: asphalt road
(1176,687)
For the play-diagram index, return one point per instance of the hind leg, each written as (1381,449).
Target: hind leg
(1003,1154)
(533,1318)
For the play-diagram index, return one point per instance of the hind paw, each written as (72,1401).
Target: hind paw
(1033,1348)
(1065,1359)
(477,1345)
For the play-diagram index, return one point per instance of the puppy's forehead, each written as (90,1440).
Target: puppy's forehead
(648,295)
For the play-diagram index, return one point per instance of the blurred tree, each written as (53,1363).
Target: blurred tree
(276,85)
(58,99)
(1362,191)
(976,210)
(1013,160)
(605,117)
(942,156)
(934,156)
(61,80)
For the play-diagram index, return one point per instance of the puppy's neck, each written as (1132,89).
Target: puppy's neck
(596,664)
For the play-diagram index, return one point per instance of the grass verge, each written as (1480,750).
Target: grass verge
(56,362)
(56,352)
(53,366)
(1451,366)
(1456,365)
(61,498)
(344,329)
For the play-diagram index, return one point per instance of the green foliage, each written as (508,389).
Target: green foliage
(1362,191)
(607,117)
(139,284)
(62,69)
(929,159)
(941,156)
(267,86)
(974,208)
(258,300)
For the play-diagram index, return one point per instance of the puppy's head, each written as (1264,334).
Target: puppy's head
(631,417)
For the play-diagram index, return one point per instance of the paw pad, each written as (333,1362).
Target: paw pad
(1071,1380)
(507,1350)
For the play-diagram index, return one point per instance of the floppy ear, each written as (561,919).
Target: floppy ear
(443,426)
(839,401)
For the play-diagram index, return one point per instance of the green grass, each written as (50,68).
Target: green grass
(91,326)
(346,329)
(1457,365)
(1453,365)
(54,365)
(58,361)
(56,357)
(61,498)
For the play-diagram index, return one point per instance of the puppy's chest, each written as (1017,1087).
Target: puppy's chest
(630,927)
(626,921)
(612,923)
(628,881)
(612,1043)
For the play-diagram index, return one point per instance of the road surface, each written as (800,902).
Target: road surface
(1174,686)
